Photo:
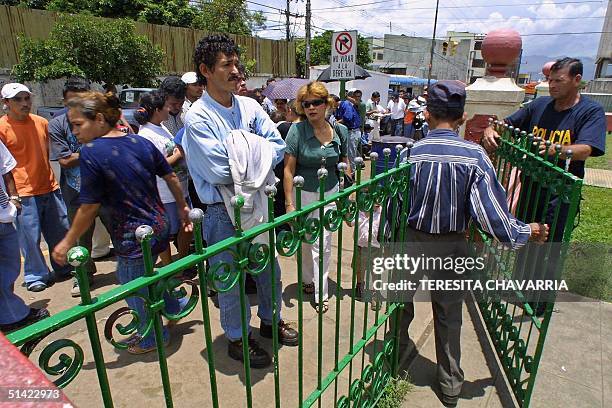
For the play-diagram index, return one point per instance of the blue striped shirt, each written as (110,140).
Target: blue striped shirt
(453,181)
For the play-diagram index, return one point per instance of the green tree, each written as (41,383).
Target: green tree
(228,16)
(101,50)
(320,51)
(176,13)
(35,4)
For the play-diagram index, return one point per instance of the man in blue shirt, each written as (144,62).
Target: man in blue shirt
(65,149)
(565,117)
(452,181)
(209,121)
(348,114)
(569,119)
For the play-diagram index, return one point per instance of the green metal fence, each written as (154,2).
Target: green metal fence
(356,351)
(364,352)
(539,189)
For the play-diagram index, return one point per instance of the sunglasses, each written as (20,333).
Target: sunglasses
(314,102)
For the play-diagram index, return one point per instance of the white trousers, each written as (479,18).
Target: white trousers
(311,254)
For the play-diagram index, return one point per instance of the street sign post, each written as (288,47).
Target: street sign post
(343,55)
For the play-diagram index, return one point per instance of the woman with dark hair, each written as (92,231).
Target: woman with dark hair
(153,110)
(118,172)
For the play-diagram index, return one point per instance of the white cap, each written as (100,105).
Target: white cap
(11,90)
(189,78)
(414,106)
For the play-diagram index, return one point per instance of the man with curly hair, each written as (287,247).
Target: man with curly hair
(208,123)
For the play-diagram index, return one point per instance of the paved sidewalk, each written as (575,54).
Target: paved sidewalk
(598,177)
(575,370)
(484,381)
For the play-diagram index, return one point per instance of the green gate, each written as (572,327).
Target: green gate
(348,356)
(356,356)
(518,328)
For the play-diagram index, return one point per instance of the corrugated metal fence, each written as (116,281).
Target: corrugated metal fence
(272,56)
(604,99)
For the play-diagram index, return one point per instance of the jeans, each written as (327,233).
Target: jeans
(398,127)
(311,253)
(46,214)
(217,227)
(129,269)
(71,198)
(408,130)
(353,143)
(12,307)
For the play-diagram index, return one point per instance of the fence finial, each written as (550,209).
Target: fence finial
(298,181)
(196,215)
(144,232)
(270,190)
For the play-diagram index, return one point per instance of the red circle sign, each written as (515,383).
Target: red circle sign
(344,43)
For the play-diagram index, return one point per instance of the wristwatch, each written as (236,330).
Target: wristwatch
(15,198)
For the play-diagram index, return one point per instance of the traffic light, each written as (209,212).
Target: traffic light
(444,47)
(454,45)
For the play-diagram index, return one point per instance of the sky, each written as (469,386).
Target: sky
(415,17)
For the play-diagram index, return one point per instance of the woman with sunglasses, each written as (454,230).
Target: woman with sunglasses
(313,144)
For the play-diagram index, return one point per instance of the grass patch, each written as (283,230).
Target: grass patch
(588,270)
(602,162)
(395,393)
(595,216)
(588,265)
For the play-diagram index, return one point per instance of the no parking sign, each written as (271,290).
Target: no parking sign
(343,55)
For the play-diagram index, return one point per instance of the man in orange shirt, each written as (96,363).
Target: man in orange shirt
(408,117)
(42,208)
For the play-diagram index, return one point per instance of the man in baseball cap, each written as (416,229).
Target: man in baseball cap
(446,198)
(38,198)
(446,99)
(195,89)
(9,91)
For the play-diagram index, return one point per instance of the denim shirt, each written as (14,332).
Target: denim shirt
(207,124)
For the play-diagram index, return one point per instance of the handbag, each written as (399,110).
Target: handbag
(347,180)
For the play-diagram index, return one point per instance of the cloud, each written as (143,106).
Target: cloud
(416,18)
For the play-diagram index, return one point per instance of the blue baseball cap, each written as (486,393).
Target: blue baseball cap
(447,94)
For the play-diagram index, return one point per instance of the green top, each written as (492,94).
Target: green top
(362,113)
(306,148)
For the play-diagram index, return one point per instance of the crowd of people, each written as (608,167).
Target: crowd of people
(203,138)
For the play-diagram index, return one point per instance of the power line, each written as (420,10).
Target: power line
(264,5)
(463,6)
(496,19)
(575,33)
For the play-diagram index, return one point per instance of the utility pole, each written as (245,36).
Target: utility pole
(287,16)
(433,44)
(308,16)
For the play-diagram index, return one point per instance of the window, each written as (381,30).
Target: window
(606,71)
(478,63)
(478,45)
(379,56)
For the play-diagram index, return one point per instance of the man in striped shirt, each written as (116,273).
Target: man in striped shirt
(452,182)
